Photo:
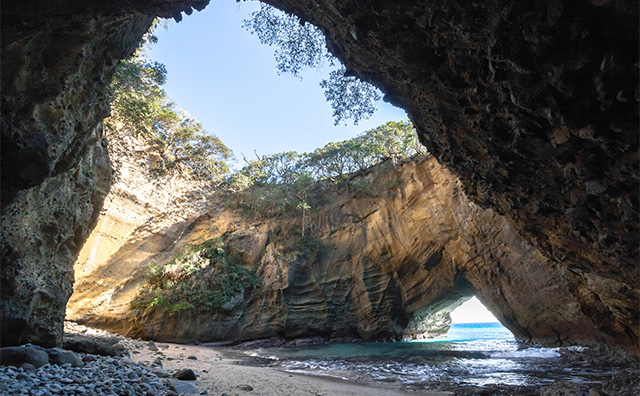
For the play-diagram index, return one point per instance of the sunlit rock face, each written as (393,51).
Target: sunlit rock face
(389,261)
(532,105)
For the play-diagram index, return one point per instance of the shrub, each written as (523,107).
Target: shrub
(203,276)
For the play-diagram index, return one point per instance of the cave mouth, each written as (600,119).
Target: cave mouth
(472,311)
(472,321)
(213,64)
(463,318)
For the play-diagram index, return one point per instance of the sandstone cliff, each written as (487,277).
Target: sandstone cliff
(533,105)
(145,199)
(388,261)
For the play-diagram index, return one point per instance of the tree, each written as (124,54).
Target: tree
(350,97)
(279,184)
(301,190)
(300,46)
(394,140)
(140,106)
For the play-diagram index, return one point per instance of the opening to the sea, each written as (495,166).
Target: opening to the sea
(472,321)
(477,353)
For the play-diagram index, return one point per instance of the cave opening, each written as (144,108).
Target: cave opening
(472,311)
(456,316)
(473,321)
(232,83)
(566,293)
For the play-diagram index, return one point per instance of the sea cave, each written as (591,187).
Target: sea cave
(525,197)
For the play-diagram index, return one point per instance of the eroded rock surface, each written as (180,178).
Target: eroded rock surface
(533,105)
(55,170)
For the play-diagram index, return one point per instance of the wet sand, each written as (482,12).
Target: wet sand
(220,374)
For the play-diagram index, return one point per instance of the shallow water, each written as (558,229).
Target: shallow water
(472,356)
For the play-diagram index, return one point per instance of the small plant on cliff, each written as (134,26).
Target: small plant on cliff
(296,247)
(203,276)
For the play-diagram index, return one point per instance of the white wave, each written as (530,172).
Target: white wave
(528,353)
(257,354)
(577,348)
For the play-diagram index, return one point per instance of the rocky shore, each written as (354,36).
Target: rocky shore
(101,365)
(97,362)
(120,366)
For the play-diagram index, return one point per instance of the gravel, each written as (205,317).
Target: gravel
(102,376)
(99,375)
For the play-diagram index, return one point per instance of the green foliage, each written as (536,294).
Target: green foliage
(394,140)
(299,46)
(391,184)
(140,105)
(336,161)
(278,184)
(292,248)
(204,276)
(182,306)
(350,97)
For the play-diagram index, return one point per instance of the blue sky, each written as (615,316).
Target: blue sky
(472,311)
(223,77)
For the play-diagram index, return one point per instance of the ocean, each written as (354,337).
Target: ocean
(472,357)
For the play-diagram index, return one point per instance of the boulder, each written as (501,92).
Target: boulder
(184,387)
(94,346)
(185,374)
(61,356)
(17,356)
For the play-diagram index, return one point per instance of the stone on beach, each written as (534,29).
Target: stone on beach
(184,387)
(185,374)
(60,356)
(16,356)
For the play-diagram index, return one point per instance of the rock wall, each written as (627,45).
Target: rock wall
(388,261)
(42,231)
(143,194)
(57,59)
(55,170)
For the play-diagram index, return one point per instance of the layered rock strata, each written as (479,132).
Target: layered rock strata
(387,262)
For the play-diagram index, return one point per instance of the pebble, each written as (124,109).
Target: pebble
(100,375)
(22,377)
(95,375)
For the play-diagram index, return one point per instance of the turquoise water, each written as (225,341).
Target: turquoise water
(470,357)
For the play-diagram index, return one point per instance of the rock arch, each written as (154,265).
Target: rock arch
(386,267)
(533,105)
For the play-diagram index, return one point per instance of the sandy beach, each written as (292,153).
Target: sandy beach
(222,375)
